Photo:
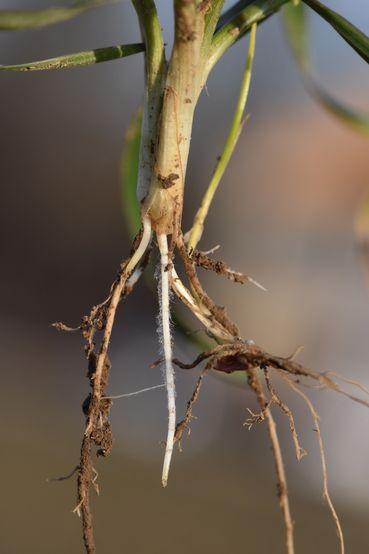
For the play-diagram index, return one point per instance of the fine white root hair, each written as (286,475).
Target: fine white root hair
(167,351)
(134,393)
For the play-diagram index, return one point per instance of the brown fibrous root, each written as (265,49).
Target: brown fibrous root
(230,355)
(96,407)
(248,357)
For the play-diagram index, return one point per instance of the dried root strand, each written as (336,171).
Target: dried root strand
(201,259)
(200,358)
(134,393)
(63,477)
(300,452)
(289,366)
(96,406)
(184,423)
(60,326)
(217,312)
(326,494)
(350,382)
(256,386)
(256,418)
(327,382)
(213,327)
(83,509)
(238,355)
(246,356)
(97,415)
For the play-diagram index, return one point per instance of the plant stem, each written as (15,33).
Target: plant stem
(234,133)
(183,84)
(167,350)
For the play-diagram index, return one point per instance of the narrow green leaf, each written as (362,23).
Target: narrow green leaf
(296,26)
(232,12)
(236,22)
(294,19)
(230,144)
(15,20)
(351,34)
(355,120)
(152,37)
(129,174)
(89,57)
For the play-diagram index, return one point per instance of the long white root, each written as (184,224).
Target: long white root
(167,351)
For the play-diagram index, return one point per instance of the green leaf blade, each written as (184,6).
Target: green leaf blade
(79,59)
(355,120)
(18,20)
(237,22)
(296,26)
(294,20)
(358,40)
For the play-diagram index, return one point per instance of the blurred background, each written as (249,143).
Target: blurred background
(284,214)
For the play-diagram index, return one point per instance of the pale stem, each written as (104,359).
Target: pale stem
(164,201)
(167,351)
(234,133)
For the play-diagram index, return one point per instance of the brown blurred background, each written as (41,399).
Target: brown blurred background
(284,214)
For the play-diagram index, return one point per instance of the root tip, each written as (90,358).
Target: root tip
(257,284)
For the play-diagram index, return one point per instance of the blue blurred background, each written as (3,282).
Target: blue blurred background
(284,214)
